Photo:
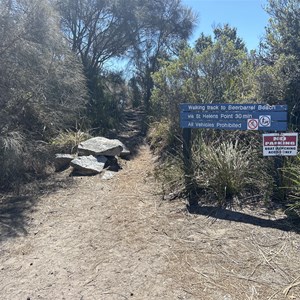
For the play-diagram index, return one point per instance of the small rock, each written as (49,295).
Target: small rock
(108,175)
(170,196)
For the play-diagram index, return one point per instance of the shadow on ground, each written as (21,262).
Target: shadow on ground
(284,224)
(16,210)
(13,216)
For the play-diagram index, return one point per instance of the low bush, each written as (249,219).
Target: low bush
(22,161)
(223,169)
(291,185)
(161,136)
(229,170)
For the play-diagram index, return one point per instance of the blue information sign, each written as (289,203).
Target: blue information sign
(252,124)
(234,116)
(226,107)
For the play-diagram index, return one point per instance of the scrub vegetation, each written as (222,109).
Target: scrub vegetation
(228,167)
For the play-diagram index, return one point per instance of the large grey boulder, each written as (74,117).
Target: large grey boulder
(62,161)
(100,146)
(88,165)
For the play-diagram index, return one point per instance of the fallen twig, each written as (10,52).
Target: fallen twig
(293,284)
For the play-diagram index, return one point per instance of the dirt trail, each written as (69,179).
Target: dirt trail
(116,239)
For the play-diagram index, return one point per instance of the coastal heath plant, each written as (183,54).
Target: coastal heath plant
(291,179)
(229,170)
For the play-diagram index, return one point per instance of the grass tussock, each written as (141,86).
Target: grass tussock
(68,140)
(230,170)
(21,161)
(12,147)
(222,170)
(291,182)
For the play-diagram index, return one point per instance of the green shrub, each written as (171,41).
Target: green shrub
(229,170)
(291,185)
(222,170)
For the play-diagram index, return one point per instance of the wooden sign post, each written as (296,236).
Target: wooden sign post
(188,168)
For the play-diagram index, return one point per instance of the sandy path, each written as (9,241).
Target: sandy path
(92,241)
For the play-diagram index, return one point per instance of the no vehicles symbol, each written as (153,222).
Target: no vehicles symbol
(252,124)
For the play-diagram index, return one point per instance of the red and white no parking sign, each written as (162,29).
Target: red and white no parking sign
(252,124)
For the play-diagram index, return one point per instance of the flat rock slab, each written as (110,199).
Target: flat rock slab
(88,165)
(100,146)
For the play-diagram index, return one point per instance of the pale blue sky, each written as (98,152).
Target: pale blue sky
(248,16)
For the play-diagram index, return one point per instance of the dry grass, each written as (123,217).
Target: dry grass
(11,151)
(291,186)
(69,140)
(160,135)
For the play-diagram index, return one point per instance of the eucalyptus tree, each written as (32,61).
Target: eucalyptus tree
(163,26)
(283,30)
(228,33)
(223,65)
(101,30)
(97,30)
